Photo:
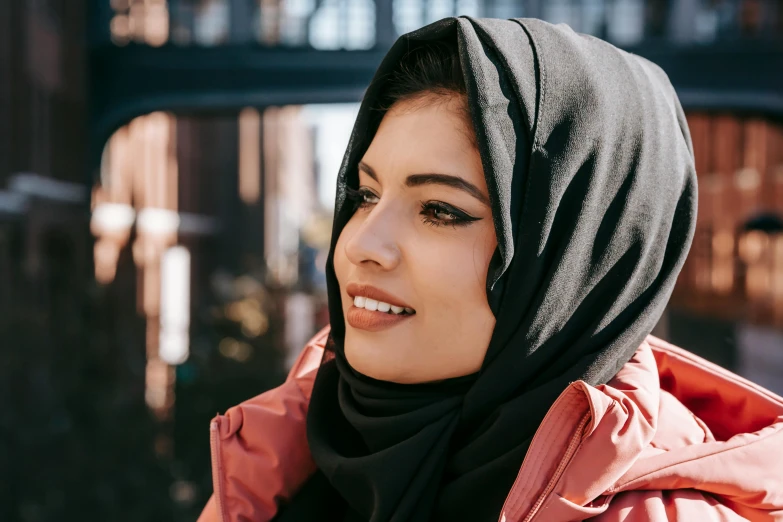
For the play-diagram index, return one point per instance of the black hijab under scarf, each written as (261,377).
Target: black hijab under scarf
(589,165)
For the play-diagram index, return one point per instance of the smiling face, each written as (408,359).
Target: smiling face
(422,238)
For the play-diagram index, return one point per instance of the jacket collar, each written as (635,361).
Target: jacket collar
(668,420)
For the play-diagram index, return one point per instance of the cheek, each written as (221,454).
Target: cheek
(483,250)
(453,273)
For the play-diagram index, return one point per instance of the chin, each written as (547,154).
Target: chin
(367,363)
(373,364)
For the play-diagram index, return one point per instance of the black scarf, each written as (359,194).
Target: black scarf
(589,166)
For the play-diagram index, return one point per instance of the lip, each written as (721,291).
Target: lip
(373,321)
(371,292)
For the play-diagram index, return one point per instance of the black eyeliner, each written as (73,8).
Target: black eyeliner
(444,207)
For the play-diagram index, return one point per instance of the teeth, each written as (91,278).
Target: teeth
(380,306)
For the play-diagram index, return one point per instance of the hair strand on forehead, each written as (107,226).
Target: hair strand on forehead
(427,73)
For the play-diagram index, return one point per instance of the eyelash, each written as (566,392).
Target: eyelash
(428,209)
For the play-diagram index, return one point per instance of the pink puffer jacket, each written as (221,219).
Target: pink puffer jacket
(671,438)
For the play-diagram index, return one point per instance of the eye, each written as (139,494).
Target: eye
(438,214)
(361,198)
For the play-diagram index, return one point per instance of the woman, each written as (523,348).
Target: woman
(513,209)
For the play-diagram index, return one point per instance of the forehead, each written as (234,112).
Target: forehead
(425,136)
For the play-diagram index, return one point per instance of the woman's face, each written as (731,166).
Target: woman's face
(421,238)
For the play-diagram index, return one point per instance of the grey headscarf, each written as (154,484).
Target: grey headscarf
(589,165)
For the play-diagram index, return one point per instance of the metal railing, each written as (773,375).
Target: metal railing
(366,24)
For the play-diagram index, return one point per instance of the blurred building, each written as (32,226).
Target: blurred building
(45,266)
(43,140)
(729,297)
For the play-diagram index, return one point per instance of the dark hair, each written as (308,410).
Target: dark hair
(432,68)
(429,70)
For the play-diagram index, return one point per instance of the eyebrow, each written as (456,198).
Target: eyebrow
(415,180)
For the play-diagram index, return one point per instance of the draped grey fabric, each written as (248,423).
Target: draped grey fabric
(590,171)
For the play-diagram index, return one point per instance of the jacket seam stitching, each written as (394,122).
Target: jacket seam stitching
(516,504)
(219,500)
(542,455)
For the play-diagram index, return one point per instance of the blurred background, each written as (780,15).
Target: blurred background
(167,172)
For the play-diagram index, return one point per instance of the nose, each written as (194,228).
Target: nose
(375,243)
